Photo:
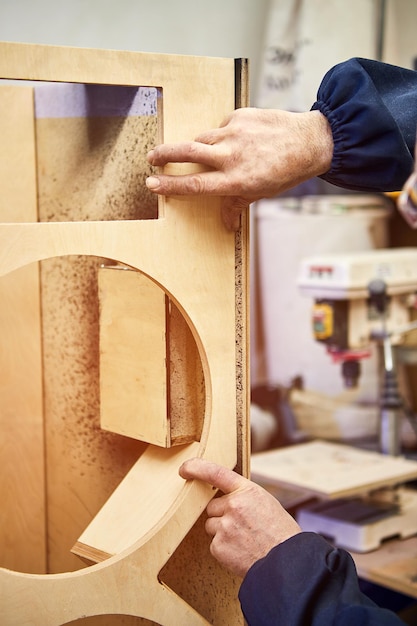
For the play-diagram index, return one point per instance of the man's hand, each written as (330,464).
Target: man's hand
(246,522)
(256,153)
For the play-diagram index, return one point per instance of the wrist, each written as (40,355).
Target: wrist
(321,142)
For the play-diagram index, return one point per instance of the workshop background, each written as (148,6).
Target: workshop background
(290,45)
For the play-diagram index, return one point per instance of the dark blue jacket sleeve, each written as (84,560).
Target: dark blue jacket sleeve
(372,110)
(307,582)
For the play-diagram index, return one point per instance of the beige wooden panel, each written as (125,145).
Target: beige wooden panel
(80,178)
(133,356)
(331,470)
(198,93)
(151,377)
(22,511)
(174,73)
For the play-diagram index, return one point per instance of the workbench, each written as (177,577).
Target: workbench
(393,565)
(298,474)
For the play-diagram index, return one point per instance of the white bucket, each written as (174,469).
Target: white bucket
(287,230)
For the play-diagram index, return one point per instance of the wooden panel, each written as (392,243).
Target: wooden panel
(22,511)
(331,470)
(79,178)
(85,463)
(183,573)
(99,173)
(151,377)
(119,525)
(133,355)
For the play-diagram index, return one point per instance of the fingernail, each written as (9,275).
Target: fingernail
(152,182)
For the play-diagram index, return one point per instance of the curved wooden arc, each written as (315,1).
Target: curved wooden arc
(175,507)
(206,302)
(126,584)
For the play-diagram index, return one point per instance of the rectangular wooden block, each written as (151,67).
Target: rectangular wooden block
(151,381)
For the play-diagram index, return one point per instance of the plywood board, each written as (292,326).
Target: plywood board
(151,377)
(83,137)
(331,470)
(73,239)
(22,487)
(133,355)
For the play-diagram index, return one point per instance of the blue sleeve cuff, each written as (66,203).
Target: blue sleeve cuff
(305,580)
(372,111)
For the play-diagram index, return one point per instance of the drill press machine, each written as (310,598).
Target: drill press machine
(361,298)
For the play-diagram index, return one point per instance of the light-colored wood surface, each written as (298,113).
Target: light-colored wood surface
(119,524)
(197,94)
(22,488)
(151,380)
(82,141)
(393,565)
(331,470)
(133,353)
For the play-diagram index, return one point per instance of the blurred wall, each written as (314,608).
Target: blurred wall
(225,28)
(229,28)
(400,41)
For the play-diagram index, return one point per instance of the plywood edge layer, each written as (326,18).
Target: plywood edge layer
(242,345)
(89,553)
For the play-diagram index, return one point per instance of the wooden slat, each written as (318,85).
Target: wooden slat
(119,525)
(242,99)
(22,510)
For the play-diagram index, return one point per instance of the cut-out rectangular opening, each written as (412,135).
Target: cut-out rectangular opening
(89,148)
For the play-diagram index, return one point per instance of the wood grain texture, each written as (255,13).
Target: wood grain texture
(331,470)
(22,488)
(151,377)
(188,240)
(79,178)
(133,353)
